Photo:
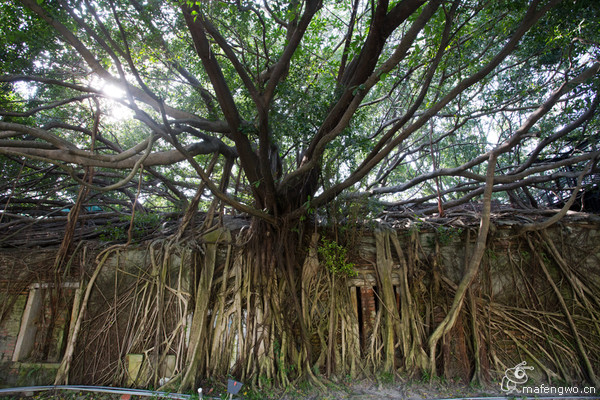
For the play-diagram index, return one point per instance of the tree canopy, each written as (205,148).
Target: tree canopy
(277,109)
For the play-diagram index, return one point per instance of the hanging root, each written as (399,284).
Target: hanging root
(565,309)
(472,269)
(62,375)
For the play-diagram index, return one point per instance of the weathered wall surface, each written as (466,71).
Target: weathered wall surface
(9,330)
(32,319)
(156,309)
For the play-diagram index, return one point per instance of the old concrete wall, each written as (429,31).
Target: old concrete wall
(31,336)
(9,328)
(439,256)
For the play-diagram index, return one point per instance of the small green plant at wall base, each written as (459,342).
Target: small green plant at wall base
(334,257)
(491,254)
(386,378)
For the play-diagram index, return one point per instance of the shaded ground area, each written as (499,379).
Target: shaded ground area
(368,390)
(357,390)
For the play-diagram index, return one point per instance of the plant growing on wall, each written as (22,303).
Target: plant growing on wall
(335,259)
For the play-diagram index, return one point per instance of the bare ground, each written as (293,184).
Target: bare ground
(410,390)
(363,390)
(356,390)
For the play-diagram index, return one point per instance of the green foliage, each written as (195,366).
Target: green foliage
(143,224)
(149,45)
(445,234)
(35,374)
(491,254)
(386,378)
(251,394)
(334,257)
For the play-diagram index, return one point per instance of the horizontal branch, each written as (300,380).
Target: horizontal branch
(459,171)
(168,157)
(50,106)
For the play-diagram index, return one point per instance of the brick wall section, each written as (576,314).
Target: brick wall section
(9,329)
(368,312)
